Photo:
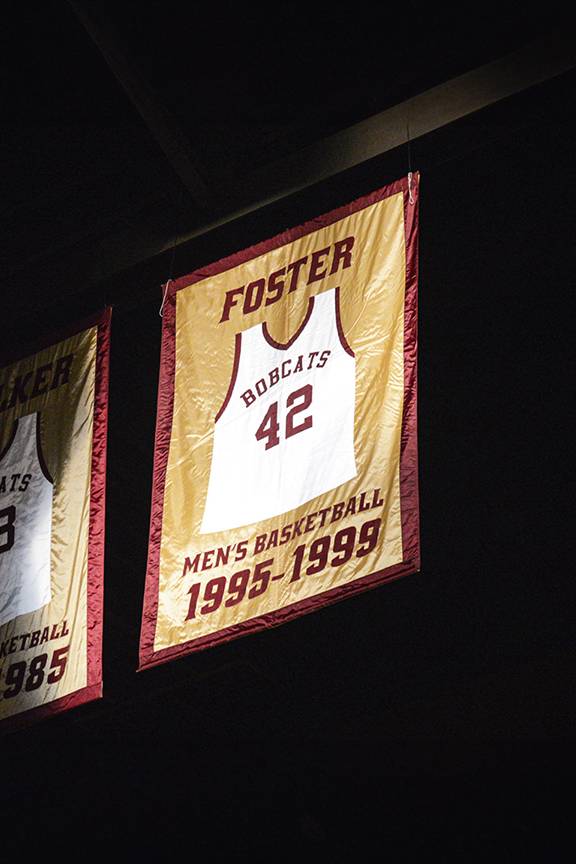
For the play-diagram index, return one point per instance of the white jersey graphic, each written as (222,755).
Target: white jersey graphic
(285,432)
(25,522)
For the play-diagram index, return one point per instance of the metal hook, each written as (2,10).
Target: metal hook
(164,295)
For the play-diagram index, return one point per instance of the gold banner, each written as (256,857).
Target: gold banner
(50,577)
(282,487)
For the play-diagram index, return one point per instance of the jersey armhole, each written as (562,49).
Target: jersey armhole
(40,453)
(233,376)
(10,441)
(342,337)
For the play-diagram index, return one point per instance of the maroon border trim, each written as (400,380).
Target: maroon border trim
(96,528)
(280,616)
(409,494)
(40,452)
(408,448)
(282,346)
(164,412)
(44,712)
(10,440)
(343,340)
(97,518)
(237,351)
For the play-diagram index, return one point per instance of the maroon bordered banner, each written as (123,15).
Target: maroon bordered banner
(51,656)
(164,634)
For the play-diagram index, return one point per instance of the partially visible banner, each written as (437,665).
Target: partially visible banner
(285,472)
(53,419)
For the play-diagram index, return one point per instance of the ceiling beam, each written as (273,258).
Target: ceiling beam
(152,233)
(424,113)
(161,124)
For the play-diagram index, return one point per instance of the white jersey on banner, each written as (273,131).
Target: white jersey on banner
(25,522)
(285,433)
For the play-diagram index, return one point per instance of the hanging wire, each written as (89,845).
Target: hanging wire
(164,296)
(410,173)
(172,258)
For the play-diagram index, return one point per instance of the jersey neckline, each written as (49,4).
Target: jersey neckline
(282,346)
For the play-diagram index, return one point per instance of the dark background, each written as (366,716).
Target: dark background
(432,717)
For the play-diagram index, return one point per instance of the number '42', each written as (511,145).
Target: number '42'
(297,401)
